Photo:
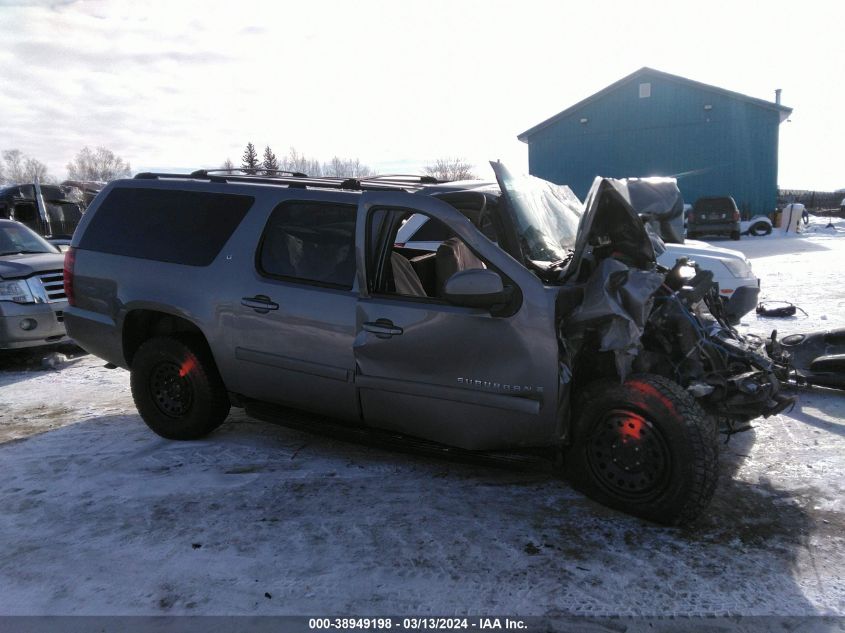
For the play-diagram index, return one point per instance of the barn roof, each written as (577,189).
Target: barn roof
(651,72)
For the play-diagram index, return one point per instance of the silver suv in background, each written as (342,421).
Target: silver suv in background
(32,295)
(535,325)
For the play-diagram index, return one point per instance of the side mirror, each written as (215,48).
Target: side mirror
(476,288)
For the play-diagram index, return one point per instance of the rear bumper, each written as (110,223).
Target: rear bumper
(97,334)
(713,228)
(742,301)
(46,321)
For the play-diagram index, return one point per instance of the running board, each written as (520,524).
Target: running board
(321,425)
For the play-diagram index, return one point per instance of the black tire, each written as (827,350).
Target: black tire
(644,447)
(735,235)
(691,235)
(177,389)
(760,228)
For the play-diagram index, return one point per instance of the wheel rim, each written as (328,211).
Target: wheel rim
(628,455)
(170,389)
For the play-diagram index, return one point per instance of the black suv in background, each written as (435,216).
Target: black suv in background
(716,215)
(52,211)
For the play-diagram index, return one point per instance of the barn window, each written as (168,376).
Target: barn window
(645,90)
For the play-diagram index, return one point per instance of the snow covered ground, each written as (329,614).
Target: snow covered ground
(100,516)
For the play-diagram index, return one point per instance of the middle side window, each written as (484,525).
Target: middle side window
(311,242)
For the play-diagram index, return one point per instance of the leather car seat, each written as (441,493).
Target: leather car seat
(405,278)
(453,256)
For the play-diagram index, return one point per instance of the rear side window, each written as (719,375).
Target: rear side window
(714,204)
(310,242)
(182,227)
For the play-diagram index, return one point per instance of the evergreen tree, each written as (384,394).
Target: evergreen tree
(270,162)
(250,162)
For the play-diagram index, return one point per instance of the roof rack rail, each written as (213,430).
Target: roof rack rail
(298,181)
(250,172)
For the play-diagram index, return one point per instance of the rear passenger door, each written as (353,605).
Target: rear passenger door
(295,322)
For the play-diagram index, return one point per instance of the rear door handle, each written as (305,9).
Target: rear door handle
(260,303)
(383,328)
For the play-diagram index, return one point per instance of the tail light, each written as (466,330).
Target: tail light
(736,216)
(70,263)
(691,216)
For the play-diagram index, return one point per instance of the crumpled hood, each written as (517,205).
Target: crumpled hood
(22,266)
(608,209)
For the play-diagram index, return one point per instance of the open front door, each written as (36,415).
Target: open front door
(451,374)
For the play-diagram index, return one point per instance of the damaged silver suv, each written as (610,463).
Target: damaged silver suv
(532,325)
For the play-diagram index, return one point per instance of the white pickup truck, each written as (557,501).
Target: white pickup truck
(739,287)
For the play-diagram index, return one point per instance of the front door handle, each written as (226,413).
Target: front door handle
(383,328)
(260,303)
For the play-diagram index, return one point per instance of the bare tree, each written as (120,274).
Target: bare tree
(17,167)
(13,166)
(346,168)
(35,170)
(295,161)
(450,169)
(229,166)
(99,164)
(270,162)
(249,161)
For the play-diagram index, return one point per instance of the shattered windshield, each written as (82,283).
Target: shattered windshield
(547,215)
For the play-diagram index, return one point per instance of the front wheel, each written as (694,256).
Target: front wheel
(177,389)
(644,447)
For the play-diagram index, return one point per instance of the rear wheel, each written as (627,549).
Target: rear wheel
(735,235)
(644,447)
(177,389)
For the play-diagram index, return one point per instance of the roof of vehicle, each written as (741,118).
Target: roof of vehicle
(481,186)
(26,190)
(4,223)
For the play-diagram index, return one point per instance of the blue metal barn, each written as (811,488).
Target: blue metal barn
(651,123)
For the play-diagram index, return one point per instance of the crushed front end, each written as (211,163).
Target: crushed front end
(687,338)
(635,317)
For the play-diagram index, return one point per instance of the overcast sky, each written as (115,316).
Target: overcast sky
(181,85)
